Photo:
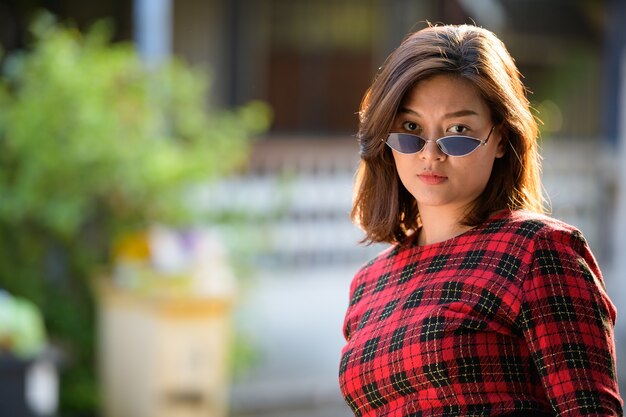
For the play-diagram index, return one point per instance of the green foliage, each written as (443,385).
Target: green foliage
(21,327)
(92,145)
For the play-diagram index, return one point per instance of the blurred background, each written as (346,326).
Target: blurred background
(176,182)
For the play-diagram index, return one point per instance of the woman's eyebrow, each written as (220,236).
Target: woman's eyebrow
(458,113)
(409,111)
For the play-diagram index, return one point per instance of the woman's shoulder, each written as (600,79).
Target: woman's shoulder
(526,223)
(527,227)
(387,256)
(383,257)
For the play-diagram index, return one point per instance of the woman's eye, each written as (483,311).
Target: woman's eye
(458,130)
(409,126)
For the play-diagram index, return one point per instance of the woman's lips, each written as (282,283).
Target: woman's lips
(432,179)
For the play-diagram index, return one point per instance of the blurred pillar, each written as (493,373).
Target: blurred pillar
(617,286)
(614,44)
(153,29)
(232,15)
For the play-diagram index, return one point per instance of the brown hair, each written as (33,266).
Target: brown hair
(382,206)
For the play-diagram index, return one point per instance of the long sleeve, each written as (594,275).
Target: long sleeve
(567,321)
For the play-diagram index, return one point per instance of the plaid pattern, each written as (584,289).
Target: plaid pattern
(510,318)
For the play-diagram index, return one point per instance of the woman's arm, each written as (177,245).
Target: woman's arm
(567,320)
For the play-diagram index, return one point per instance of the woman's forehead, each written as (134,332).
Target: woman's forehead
(446,96)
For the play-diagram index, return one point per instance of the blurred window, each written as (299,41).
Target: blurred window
(320,63)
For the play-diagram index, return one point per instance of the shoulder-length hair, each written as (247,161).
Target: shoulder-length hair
(382,206)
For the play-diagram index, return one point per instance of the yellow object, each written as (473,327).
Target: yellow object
(135,246)
(163,356)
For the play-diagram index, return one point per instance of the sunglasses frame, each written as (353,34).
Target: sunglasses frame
(438,142)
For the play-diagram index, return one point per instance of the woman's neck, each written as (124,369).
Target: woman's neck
(439,224)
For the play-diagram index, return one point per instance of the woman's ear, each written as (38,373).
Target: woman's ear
(502,141)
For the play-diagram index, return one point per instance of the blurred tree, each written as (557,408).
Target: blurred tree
(93,145)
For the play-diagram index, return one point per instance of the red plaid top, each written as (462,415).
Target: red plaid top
(509,318)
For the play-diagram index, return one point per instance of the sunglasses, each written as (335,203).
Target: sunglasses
(457,145)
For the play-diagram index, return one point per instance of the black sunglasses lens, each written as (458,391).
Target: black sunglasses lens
(405,143)
(458,145)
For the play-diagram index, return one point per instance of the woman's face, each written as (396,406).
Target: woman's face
(441,106)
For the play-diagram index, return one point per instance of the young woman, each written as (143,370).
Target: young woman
(482,305)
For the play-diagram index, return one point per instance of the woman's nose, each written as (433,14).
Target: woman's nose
(431,150)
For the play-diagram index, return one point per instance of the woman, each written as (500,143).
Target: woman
(482,306)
